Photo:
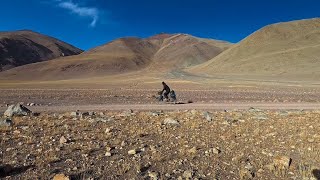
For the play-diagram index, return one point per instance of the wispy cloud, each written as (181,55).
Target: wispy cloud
(83,11)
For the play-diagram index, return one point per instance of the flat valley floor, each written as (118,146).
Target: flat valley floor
(228,130)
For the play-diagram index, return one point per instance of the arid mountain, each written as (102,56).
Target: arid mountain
(163,52)
(24,47)
(288,50)
(181,50)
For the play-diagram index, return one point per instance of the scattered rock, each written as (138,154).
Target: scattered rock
(254,110)
(187,174)
(193,112)
(91,113)
(75,114)
(170,121)
(127,113)
(282,162)
(208,116)
(261,116)
(246,174)
(216,151)
(193,150)
(283,113)
(108,154)
(153,175)
(123,143)
(108,130)
(17,110)
(6,122)
(61,177)
(63,140)
(132,152)
(310,140)
(84,114)
(104,120)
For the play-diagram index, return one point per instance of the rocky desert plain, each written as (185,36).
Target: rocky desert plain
(249,110)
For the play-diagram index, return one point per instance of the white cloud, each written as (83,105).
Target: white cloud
(81,11)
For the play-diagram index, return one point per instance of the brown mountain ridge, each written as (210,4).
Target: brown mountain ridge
(163,52)
(18,48)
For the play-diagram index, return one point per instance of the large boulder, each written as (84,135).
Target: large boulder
(17,110)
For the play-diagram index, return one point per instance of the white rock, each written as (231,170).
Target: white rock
(153,175)
(171,121)
(108,154)
(216,151)
(132,152)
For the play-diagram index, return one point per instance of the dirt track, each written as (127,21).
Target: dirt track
(62,100)
(168,107)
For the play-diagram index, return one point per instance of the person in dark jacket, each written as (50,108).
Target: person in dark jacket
(166,91)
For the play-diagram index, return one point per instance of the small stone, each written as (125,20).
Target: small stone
(108,154)
(63,140)
(253,110)
(153,175)
(16,132)
(132,152)
(6,122)
(208,116)
(123,143)
(187,174)
(108,148)
(282,162)
(310,140)
(91,113)
(193,150)
(108,130)
(171,121)
(246,174)
(104,120)
(216,151)
(193,112)
(74,114)
(61,177)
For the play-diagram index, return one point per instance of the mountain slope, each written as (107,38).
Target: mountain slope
(282,50)
(24,47)
(163,52)
(182,50)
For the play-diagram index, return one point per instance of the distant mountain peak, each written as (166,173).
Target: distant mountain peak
(161,36)
(23,47)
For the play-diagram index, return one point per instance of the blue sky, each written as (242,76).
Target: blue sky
(89,23)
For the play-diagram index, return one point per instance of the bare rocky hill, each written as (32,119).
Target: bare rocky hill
(161,52)
(288,50)
(24,47)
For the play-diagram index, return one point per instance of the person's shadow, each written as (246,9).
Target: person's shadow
(316,173)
